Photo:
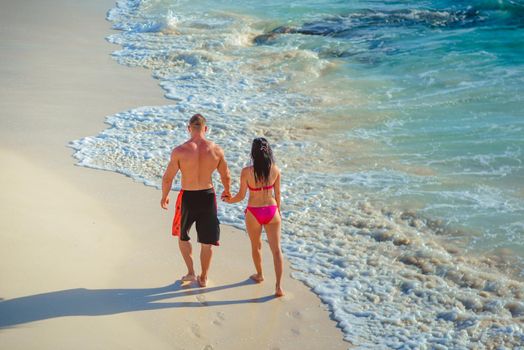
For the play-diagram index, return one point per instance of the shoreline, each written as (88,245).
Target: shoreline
(75,240)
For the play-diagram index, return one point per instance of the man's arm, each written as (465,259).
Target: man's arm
(225,176)
(167,179)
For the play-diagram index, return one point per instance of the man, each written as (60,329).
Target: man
(196,159)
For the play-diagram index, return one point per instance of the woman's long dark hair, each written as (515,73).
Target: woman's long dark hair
(262,157)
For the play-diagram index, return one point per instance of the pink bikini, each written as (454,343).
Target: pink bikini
(262,214)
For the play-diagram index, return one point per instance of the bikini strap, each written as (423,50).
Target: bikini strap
(260,188)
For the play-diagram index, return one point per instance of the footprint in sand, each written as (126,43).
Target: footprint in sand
(202,300)
(295,314)
(295,331)
(195,329)
(208,347)
(220,317)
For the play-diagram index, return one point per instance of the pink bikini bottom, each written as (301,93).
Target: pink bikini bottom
(263,214)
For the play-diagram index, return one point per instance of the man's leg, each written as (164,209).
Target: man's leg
(206,252)
(187,253)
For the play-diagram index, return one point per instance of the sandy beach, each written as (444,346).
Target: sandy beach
(87,259)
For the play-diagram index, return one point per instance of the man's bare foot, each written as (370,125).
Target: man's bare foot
(188,278)
(202,282)
(257,278)
(279,292)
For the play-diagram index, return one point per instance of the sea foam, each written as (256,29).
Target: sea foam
(389,276)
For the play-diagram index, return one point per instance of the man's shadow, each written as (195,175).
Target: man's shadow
(94,302)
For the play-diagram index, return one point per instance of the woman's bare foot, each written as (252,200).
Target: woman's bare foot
(188,278)
(279,292)
(202,282)
(257,278)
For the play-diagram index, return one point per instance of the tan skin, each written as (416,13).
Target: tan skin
(254,229)
(196,159)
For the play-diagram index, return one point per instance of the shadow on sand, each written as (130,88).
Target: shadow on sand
(93,302)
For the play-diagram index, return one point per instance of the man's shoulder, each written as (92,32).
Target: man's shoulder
(180,149)
(188,145)
(215,147)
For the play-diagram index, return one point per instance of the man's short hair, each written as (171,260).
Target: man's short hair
(197,121)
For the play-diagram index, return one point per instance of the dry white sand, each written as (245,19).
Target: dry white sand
(86,257)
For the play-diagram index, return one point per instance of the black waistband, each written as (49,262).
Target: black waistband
(205,191)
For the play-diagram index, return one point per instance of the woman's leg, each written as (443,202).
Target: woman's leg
(254,230)
(273,237)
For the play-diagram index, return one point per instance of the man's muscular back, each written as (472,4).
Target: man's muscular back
(197,160)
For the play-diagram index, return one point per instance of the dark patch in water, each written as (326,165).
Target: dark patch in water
(265,38)
(345,26)
(273,35)
(370,26)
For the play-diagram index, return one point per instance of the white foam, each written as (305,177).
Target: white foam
(383,274)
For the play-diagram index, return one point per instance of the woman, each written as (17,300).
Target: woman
(263,209)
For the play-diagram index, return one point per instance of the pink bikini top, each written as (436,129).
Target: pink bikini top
(260,188)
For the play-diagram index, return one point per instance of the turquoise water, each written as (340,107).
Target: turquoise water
(433,89)
(446,79)
(399,128)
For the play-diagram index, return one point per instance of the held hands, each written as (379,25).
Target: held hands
(164,202)
(226,197)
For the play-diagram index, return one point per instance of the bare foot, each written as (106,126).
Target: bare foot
(202,282)
(279,292)
(188,278)
(257,278)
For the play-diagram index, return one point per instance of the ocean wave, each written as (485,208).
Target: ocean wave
(514,6)
(366,21)
(391,277)
(399,275)
(127,16)
(377,28)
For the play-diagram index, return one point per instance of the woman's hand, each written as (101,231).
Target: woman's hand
(231,199)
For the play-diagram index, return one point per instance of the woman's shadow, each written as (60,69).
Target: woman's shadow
(93,302)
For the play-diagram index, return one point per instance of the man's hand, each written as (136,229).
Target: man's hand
(164,202)
(225,196)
